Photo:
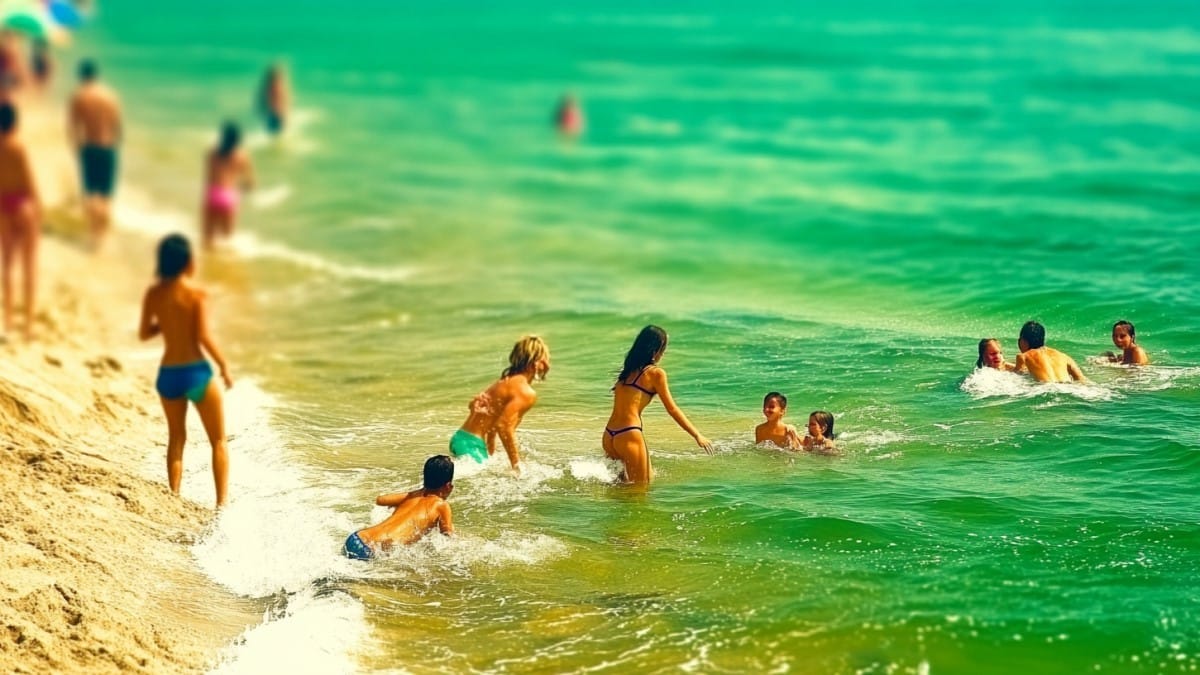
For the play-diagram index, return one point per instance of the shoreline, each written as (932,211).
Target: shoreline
(99,572)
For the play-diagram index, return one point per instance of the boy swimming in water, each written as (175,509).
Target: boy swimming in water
(178,311)
(1123,335)
(499,409)
(774,430)
(415,513)
(820,432)
(1041,362)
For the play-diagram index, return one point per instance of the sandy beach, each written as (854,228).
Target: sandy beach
(98,576)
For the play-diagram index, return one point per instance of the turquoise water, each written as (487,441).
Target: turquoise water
(837,203)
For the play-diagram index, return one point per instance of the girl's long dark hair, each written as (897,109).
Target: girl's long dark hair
(648,343)
(983,347)
(231,136)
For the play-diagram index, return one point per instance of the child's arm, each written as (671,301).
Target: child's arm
(395,499)
(148,327)
(509,419)
(793,437)
(208,343)
(445,521)
(1020,366)
(658,378)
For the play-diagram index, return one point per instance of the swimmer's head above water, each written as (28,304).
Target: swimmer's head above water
(648,348)
(174,257)
(530,352)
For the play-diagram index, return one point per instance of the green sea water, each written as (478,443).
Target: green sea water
(833,202)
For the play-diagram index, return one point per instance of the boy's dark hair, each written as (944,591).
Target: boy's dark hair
(174,254)
(231,136)
(8,117)
(1034,334)
(1122,322)
(88,70)
(825,419)
(778,397)
(439,470)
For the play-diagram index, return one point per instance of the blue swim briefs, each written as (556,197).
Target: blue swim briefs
(188,379)
(466,443)
(357,549)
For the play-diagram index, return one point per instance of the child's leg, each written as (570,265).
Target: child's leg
(8,244)
(212,414)
(209,227)
(176,410)
(29,247)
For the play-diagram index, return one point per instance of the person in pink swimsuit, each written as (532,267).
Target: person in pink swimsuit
(20,218)
(228,168)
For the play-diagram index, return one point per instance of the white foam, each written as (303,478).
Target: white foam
(602,471)
(311,635)
(270,197)
(249,245)
(992,383)
(465,551)
(493,483)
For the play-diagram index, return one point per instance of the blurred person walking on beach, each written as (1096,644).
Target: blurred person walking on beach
(639,381)
(12,65)
(228,167)
(568,118)
(41,64)
(20,215)
(274,99)
(1041,362)
(94,126)
(499,409)
(178,310)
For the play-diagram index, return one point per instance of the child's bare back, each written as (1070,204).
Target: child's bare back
(416,514)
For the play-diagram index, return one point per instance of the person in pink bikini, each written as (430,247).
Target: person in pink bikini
(20,217)
(228,168)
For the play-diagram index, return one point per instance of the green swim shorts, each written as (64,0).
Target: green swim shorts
(465,443)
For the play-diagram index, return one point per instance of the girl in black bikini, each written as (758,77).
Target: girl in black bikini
(637,384)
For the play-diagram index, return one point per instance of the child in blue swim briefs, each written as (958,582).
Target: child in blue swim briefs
(414,513)
(178,310)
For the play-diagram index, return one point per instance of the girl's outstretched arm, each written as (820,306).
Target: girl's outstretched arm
(658,378)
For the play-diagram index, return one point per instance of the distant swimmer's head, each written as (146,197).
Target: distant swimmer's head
(529,353)
(990,353)
(8,118)
(648,348)
(820,424)
(1033,336)
(1123,334)
(774,405)
(174,257)
(88,70)
(231,137)
(439,474)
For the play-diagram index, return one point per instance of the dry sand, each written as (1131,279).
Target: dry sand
(97,571)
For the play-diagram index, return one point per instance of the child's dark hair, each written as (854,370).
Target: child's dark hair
(439,470)
(8,117)
(778,397)
(174,254)
(649,342)
(231,136)
(983,346)
(825,419)
(1123,322)
(1034,334)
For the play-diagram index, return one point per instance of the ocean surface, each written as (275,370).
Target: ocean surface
(836,202)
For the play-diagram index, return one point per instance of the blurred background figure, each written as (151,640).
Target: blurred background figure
(41,65)
(569,117)
(274,99)
(94,124)
(228,168)
(12,65)
(19,216)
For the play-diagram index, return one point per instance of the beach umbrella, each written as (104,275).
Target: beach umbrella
(65,14)
(31,23)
